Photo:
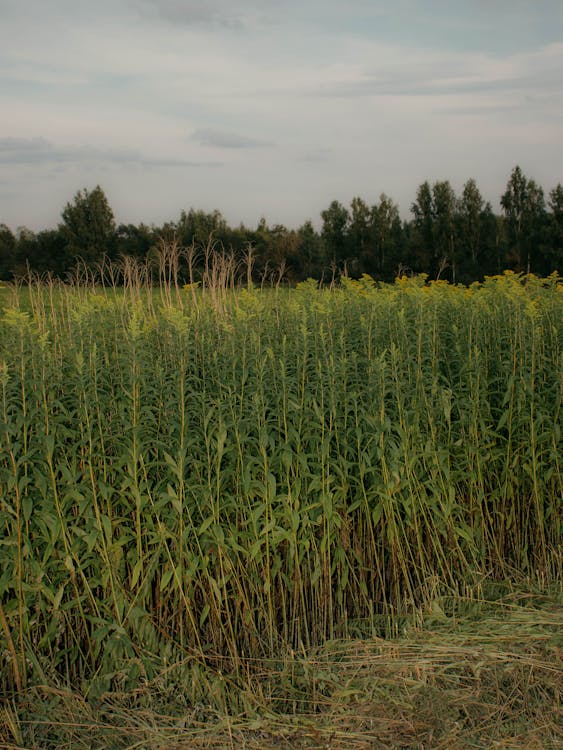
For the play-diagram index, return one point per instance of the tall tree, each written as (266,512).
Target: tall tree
(359,237)
(523,204)
(283,247)
(386,231)
(470,209)
(334,232)
(7,252)
(135,241)
(433,239)
(311,252)
(43,252)
(52,252)
(491,259)
(199,227)
(89,226)
(27,251)
(422,238)
(555,245)
(444,210)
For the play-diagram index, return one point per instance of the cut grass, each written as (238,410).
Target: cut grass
(489,676)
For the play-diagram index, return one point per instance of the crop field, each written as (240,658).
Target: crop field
(245,517)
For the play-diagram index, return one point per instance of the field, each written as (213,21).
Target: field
(245,517)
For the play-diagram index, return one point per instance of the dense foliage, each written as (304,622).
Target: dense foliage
(454,237)
(204,475)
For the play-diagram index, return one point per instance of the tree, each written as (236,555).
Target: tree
(334,232)
(43,252)
(89,226)
(198,227)
(386,231)
(134,241)
(513,202)
(422,238)
(359,237)
(444,210)
(52,253)
(491,249)
(274,249)
(7,252)
(556,202)
(27,255)
(310,254)
(523,204)
(470,209)
(555,252)
(434,241)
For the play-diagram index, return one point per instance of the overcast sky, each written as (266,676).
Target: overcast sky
(272,107)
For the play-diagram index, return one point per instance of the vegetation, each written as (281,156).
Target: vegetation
(452,237)
(323,517)
(484,675)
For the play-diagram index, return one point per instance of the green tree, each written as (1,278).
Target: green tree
(44,252)
(555,251)
(444,205)
(469,216)
(52,253)
(311,258)
(199,227)
(8,246)
(359,237)
(491,248)
(422,236)
(89,226)
(27,256)
(387,239)
(523,204)
(334,232)
(433,239)
(135,241)
(285,245)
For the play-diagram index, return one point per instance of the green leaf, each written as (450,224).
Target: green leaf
(166,578)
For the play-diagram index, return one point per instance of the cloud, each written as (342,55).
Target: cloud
(24,150)
(194,13)
(315,156)
(386,72)
(225,139)
(40,151)
(30,151)
(416,86)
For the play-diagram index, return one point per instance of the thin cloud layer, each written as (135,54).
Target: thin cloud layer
(29,151)
(224,139)
(194,13)
(38,151)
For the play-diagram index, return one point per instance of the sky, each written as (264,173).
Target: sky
(272,108)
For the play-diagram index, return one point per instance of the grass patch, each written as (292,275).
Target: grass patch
(489,676)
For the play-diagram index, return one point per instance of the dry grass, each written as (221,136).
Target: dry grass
(489,676)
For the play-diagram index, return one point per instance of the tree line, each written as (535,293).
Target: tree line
(454,237)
